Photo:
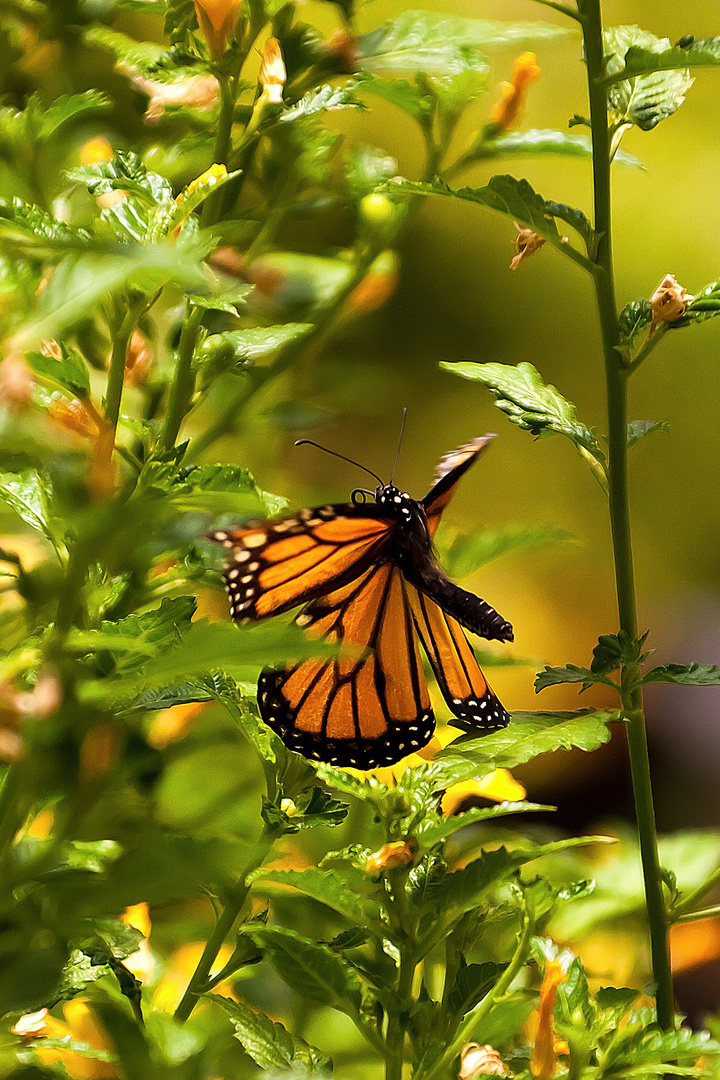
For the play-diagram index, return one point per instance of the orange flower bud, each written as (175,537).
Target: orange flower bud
(16,382)
(476,1059)
(139,359)
(99,751)
(527,243)
(543,1060)
(74,416)
(95,151)
(272,73)
(197,92)
(229,261)
(389,856)
(217,19)
(376,287)
(668,302)
(512,94)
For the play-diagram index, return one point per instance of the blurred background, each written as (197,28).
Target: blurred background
(456,299)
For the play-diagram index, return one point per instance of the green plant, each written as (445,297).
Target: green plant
(137,336)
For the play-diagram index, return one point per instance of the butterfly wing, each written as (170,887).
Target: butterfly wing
(447,475)
(366,709)
(456,669)
(274,566)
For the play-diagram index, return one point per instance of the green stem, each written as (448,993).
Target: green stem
(198,982)
(183,385)
(616,380)
(684,908)
(395,1036)
(116,373)
(647,348)
(212,207)
(704,913)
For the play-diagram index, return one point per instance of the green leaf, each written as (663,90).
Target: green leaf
(215,489)
(554,676)
(518,201)
(684,675)
(236,350)
(638,429)
(634,322)
(28,495)
(136,638)
(467,553)
(643,100)
(704,305)
(412,97)
(367,168)
(431,831)
(530,403)
(528,735)
(323,99)
(323,886)
(640,61)
(613,650)
(430,41)
(70,371)
(137,54)
(312,970)
(119,940)
(545,141)
(269,1044)
(472,983)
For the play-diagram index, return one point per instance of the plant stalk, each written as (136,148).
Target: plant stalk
(616,381)
(183,385)
(198,982)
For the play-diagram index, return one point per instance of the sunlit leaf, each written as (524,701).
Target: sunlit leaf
(545,141)
(413,98)
(70,371)
(468,552)
(684,675)
(641,60)
(323,886)
(312,970)
(269,1044)
(643,100)
(638,429)
(323,99)
(555,676)
(432,832)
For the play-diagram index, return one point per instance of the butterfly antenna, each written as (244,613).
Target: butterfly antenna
(397,454)
(302,442)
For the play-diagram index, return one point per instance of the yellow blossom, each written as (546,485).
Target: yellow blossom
(512,94)
(543,1060)
(527,243)
(272,73)
(498,786)
(96,150)
(390,856)
(181,967)
(668,302)
(80,1027)
(173,724)
(206,179)
(142,962)
(217,19)
(476,1059)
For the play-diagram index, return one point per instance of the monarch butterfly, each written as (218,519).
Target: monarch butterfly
(366,575)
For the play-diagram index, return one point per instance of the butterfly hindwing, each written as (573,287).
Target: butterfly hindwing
(456,669)
(367,708)
(277,565)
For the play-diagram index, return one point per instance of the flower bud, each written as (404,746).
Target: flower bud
(527,243)
(668,302)
(95,151)
(272,73)
(376,287)
(217,19)
(512,94)
(543,1060)
(390,856)
(139,359)
(476,1059)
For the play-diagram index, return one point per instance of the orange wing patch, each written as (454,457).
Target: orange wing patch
(361,710)
(278,565)
(456,669)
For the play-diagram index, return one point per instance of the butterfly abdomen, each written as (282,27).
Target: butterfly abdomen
(470,611)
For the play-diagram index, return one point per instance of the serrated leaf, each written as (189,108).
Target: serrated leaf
(642,100)
(638,429)
(633,322)
(471,984)
(367,168)
(119,940)
(545,141)
(411,97)
(21,221)
(312,970)
(70,371)
(530,403)
(269,1044)
(528,735)
(28,495)
(704,305)
(138,637)
(467,553)
(684,675)
(518,200)
(234,350)
(432,831)
(323,886)
(644,61)
(323,99)
(215,489)
(613,650)
(555,676)
(430,41)
(137,54)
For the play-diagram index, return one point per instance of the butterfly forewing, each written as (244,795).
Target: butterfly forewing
(274,566)
(447,476)
(367,708)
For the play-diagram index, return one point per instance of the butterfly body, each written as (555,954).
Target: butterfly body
(367,576)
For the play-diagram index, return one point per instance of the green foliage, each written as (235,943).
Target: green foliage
(269,1044)
(684,674)
(644,99)
(464,554)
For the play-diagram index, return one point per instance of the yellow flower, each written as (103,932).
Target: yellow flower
(512,94)
(80,1027)
(499,786)
(217,19)
(182,965)
(389,856)
(476,1059)
(206,179)
(142,961)
(543,1060)
(668,302)
(173,724)
(96,150)
(527,243)
(272,73)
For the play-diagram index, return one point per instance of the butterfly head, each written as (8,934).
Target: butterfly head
(399,502)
